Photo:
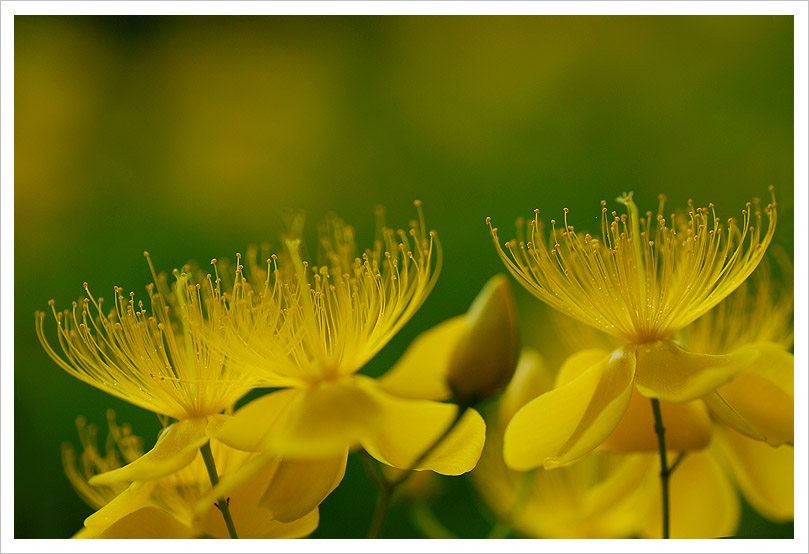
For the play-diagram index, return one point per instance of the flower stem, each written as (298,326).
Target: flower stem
(425,520)
(222,503)
(387,488)
(504,526)
(664,464)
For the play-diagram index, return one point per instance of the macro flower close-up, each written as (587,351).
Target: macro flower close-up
(360,273)
(173,506)
(341,313)
(156,356)
(641,281)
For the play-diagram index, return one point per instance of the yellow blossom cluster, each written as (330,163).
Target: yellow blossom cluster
(676,371)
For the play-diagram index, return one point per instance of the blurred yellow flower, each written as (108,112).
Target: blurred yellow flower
(158,358)
(641,282)
(757,406)
(178,505)
(703,501)
(603,494)
(599,496)
(341,314)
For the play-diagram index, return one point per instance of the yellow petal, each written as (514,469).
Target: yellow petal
(135,497)
(596,497)
(292,530)
(764,474)
(421,372)
(578,363)
(776,364)
(531,378)
(244,489)
(568,422)
(176,447)
(299,486)
(85,533)
(725,413)
(484,359)
(253,474)
(668,372)
(703,503)
(257,422)
(687,426)
(319,422)
(147,523)
(254,522)
(407,428)
(763,394)
(254,525)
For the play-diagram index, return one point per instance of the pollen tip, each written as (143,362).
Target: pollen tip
(51,302)
(85,285)
(488,220)
(213,260)
(417,203)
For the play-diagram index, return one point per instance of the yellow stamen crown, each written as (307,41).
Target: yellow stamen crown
(120,448)
(760,310)
(645,277)
(159,358)
(177,493)
(341,312)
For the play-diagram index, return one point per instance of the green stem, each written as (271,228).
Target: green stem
(387,488)
(677,462)
(222,504)
(385,492)
(504,526)
(664,464)
(425,520)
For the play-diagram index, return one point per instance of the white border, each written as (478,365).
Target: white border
(398,7)
(10,8)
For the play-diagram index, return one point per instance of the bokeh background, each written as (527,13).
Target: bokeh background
(188,136)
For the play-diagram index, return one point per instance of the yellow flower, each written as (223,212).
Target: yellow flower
(642,281)
(599,496)
(342,313)
(606,494)
(177,505)
(752,410)
(757,406)
(157,357)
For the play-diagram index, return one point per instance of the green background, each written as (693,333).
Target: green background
(187,137)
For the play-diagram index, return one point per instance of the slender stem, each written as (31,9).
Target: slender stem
(222,503)
(503,526)
(404,476)
(381,509)
(664,464)
(387,488)
(425,520)
(677,462)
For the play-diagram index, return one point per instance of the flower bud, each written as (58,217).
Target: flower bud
(484,358)
(531,378)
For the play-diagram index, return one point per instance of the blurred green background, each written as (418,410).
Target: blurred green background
(187,136)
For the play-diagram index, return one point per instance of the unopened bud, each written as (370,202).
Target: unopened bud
(531,379)
(484,359)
